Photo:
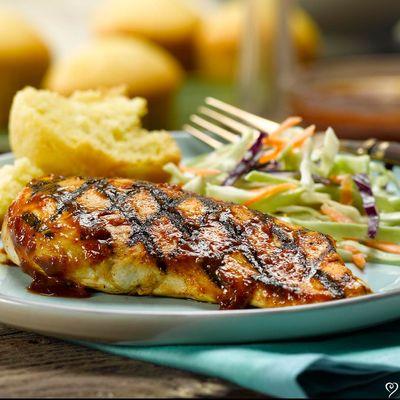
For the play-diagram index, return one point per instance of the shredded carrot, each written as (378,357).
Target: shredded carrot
(357,257)
(389,247)
(275,141)
(346,187)
(335,215)
(271,155)
(200,171)
(270,191)
(278,143)
(352,239)
(346,190)
(359,260)
(351,249)
(336,179)
(286,124)
(303,136)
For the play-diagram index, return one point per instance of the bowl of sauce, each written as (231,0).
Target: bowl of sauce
(359,96)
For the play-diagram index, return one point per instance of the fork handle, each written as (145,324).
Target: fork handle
(389,152)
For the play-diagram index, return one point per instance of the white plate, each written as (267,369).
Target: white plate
(147,320)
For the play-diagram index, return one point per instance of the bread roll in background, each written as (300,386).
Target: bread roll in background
(144,68)
(219,37)
(170,23)
(91,133)
(24,58)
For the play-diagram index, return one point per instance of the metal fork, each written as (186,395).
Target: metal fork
(225,122)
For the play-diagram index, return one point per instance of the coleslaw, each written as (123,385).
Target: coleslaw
(303,179)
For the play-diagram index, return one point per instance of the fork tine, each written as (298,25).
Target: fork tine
(223,119)
(257,122)
(215,144)
(229,136)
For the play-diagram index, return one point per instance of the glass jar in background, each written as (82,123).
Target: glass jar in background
(267,60)
(358,96)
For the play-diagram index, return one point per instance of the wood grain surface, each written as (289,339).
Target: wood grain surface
(36,366)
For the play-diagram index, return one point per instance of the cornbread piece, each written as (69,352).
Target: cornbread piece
(91,133)
(170,23)
(131,237)
(13,178)
(144,68)
(24,58)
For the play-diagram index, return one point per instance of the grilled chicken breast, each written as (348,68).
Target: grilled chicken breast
(131,237)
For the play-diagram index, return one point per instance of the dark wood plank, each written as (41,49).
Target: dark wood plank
(36,366)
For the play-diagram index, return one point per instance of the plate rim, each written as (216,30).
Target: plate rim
(16,301)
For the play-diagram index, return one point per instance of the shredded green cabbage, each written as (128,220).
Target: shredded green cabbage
(329,153)
(306,167)
(315,168)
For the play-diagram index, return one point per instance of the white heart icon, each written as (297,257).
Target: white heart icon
(392,388)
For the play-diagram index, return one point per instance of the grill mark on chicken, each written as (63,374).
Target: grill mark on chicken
(330,284)
(119,202)
(237,248)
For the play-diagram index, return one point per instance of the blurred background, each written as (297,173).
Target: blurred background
(333,62)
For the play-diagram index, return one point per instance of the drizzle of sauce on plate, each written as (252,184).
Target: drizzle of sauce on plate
(55,287)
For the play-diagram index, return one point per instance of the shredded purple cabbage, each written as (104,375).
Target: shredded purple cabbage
(321,179)
(364,186)
(270,166)
(248,162)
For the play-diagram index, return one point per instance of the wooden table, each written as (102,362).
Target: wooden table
(36,366)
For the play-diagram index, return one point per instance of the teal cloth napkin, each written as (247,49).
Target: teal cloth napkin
(355,365)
